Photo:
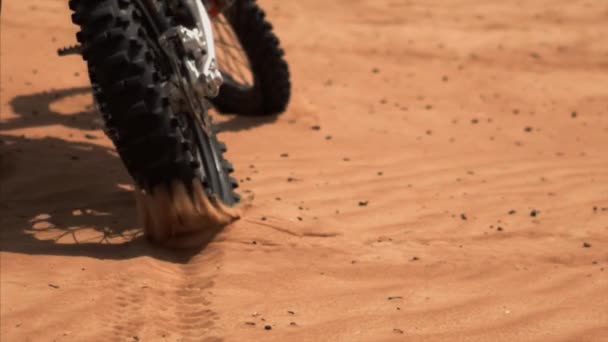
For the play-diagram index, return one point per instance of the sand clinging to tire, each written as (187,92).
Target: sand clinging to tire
(180,216)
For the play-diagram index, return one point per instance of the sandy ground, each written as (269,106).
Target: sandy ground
(456,189)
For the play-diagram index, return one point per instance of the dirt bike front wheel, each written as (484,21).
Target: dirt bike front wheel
(158,144)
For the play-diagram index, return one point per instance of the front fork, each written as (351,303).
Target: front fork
(196,48)
(191,51)
(213,8)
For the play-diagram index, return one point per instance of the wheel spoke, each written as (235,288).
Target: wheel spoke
(231,57)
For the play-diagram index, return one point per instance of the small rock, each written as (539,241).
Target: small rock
(267,327)
(315,128)
(284,155)
(574,114)
(375,70)
(395,297)
(75,157)
(534,213)
(42,225)
(586,245)
(293,324)
(475,121)
(512,212)
(397,331)
(528,129)
(41,217)
(463,217)
(90,136)
(415,258)
(363,203)
(328,137)
(54,286)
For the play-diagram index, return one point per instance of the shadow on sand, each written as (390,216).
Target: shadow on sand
(52,190)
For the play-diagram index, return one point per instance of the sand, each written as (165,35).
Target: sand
(445,180)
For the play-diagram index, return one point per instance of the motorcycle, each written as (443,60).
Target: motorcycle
(156,68)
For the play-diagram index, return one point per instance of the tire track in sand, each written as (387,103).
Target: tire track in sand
(162,300)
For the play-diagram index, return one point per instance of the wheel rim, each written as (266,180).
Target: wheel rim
(214,177)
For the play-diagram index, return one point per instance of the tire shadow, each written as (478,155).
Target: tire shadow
(35,110)
(242,123)
(60,197)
